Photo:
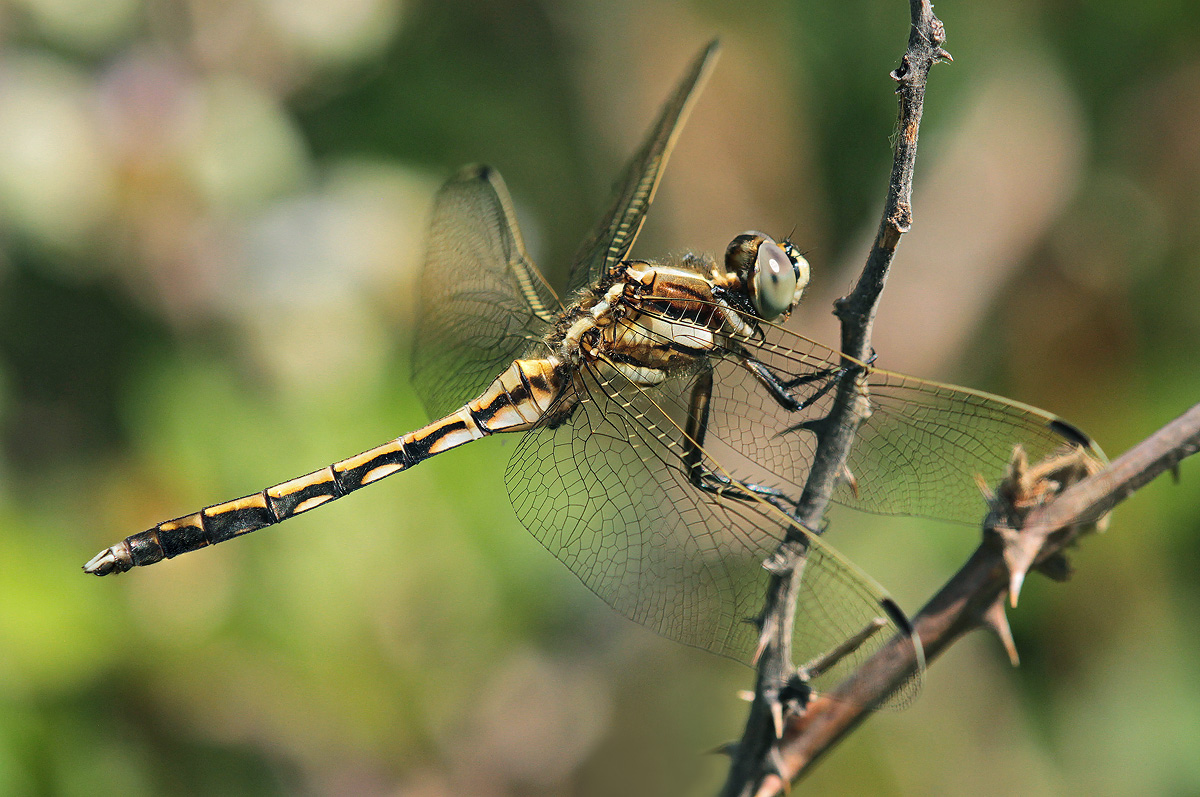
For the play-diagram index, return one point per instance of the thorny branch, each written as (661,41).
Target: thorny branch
(755,757)
(974,597)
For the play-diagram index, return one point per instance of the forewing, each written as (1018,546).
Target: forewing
(919,453)
(927,447)
(607,493)
(483,302)
(613,237)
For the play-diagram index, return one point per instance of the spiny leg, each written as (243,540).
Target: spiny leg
(781,389)
(831,373)
(832,376)
(693,456)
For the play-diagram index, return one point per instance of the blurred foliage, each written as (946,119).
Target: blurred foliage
(211,216)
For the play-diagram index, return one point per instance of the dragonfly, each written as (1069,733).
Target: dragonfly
(665,415)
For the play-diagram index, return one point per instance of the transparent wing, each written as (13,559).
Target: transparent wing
(483,302)
(918,454)
(607,493)
(613,237)
(926,443)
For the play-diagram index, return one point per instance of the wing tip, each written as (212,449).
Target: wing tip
(1072,434)
(896,615)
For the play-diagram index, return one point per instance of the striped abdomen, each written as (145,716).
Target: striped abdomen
(515,401)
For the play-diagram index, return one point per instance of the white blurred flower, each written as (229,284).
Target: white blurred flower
(91,25)
(320,269)
(243,148)
(334,30)
(56,183)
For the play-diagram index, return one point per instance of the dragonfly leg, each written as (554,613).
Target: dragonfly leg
(828,377)
(776,388)
(705,478)
(781,389)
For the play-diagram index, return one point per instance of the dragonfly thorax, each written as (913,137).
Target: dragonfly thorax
(646,321)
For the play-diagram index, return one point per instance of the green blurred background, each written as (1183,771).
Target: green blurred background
(211,218)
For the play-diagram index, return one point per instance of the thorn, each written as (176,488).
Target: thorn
(777,718)
(1015,559)
(759,651)
(724,748)
(813,425)
(1023,490)
(989,494)
(943,55)
(1015,580)
(764,639)
(1175,473)
(847,476)
(995,619)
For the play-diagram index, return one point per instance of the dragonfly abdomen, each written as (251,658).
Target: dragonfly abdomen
(515,401)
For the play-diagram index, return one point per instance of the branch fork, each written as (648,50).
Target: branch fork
(757,758)
(1042,508)
(1026,488)
(1034,514)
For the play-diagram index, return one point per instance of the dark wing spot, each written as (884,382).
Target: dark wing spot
(897,615)
(1072,433)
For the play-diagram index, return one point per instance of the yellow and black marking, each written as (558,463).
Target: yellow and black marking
(515,401)
(642,320)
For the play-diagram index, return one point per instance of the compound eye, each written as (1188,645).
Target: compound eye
(773,283)
(803,270)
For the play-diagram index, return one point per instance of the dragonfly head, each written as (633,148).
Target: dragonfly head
(774,275)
